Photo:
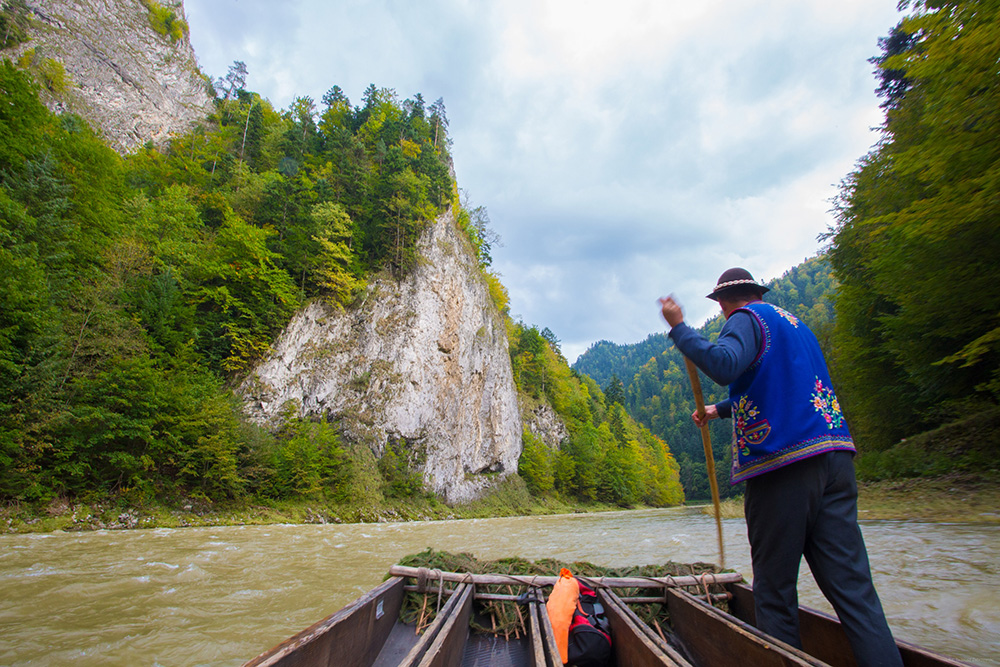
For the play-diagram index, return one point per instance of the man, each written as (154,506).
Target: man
(793,449)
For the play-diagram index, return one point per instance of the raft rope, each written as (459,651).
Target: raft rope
(708,596)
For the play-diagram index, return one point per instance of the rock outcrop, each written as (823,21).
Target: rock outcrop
(544,422)
(131,83)
(422,363)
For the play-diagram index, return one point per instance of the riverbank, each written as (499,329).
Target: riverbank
(511,499)
(955,498)
(951,498)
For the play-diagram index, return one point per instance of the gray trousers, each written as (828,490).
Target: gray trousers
(810,508)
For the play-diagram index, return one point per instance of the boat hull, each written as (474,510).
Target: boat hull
(694,632)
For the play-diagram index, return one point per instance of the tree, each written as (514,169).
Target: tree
(244,293)
(253,133)
(335,97)
(439,120)
(536,465)
(916,236)
(310,461)
(333,263)
(234,81)
(406,212)
(614,392)
(529,361)
(475,222)
(551,339)
(893,82)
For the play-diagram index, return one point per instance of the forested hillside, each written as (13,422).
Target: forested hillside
(917,339)
(136,289)
(649,378)
(608,457)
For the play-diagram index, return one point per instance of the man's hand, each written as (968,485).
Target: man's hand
(711,412)
(671,311)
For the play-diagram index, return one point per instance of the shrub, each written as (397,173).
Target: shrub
(399,480)
(164,21)
(53,75)
(309,460)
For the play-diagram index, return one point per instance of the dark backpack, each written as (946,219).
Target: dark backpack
(589,633)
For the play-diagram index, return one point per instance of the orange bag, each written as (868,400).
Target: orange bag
(560,606)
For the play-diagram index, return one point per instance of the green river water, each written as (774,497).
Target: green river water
(219,596)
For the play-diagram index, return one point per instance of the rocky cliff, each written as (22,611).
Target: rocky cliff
(541,420)
(106,62)
(422,363)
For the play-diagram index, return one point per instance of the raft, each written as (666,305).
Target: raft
(703,620)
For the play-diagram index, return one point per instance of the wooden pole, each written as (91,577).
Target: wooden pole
(600,582)
(706,441)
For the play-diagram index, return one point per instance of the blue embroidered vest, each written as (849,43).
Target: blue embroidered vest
(784,408)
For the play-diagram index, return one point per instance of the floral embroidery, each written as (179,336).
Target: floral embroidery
(794,321)
(825,402)
(749,429)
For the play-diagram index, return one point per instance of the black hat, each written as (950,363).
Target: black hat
(733,278)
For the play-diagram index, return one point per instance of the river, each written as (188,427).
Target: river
(219,596)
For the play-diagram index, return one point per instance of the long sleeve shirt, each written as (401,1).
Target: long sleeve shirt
(725,360)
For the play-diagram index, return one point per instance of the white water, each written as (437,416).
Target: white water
(219,596)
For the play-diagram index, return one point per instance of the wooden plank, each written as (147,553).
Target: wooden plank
(536,609)
(548,634)
(353,635)
(634,642)
(448,647)
(819,639)
(594,582)
(823,636)
(444,641)
(713,637)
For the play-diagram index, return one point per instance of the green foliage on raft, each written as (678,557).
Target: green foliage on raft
(501,617)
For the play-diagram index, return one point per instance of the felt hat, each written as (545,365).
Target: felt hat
(733,278)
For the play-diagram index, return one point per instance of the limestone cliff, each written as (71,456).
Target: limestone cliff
(422,362)
(131,83)
(541,420)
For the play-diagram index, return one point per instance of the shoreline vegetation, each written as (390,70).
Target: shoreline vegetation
(952,498)
(941,475)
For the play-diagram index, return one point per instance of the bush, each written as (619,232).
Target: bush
(309,461)
(399,480)
(53,75)
(164,21)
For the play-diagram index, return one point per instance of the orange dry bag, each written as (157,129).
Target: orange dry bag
(561,604)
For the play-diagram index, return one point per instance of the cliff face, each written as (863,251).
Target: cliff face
(129,82)
(422,363)
(542,421)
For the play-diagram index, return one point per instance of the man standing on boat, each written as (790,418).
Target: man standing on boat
(792,447)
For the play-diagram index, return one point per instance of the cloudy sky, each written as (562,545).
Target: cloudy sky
(624,149)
